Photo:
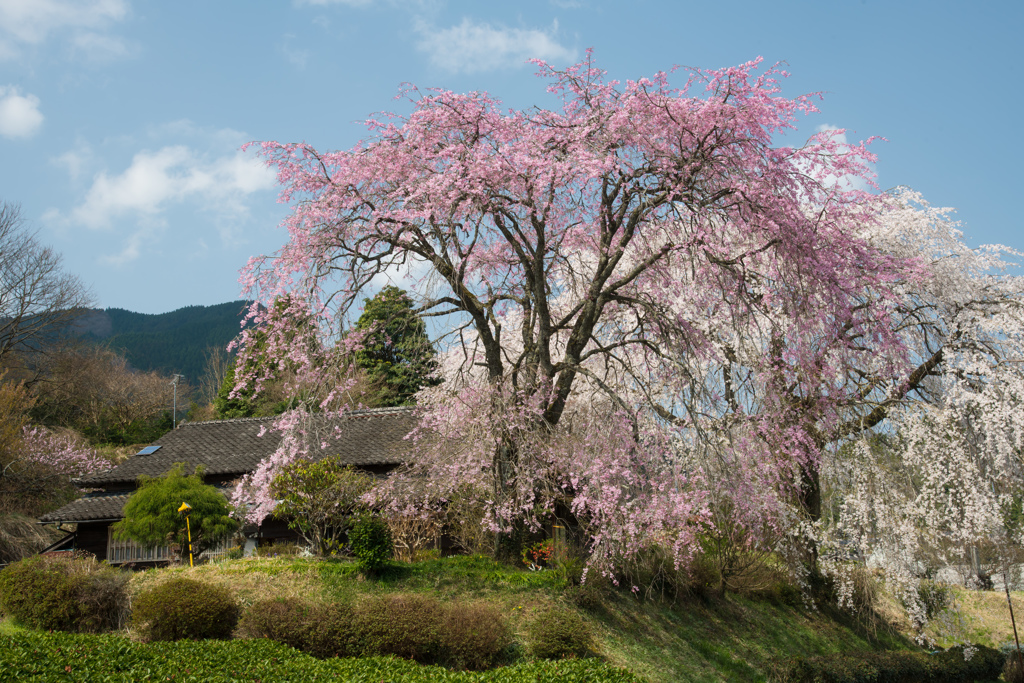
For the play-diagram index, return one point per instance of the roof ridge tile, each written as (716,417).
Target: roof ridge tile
(352,413)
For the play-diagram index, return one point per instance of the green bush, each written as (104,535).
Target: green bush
(473,636)
(236,552)
(588,596)
(371,544)
(935,597)
(185,608)
(321,629)
(404,625)
(40,593)
(65,593)
(899,667)
(571,568)
(557,634)
(653,571)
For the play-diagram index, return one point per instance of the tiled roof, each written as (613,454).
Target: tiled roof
(93,507)
(235,447)
(89,509)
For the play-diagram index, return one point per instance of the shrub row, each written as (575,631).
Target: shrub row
(471,636)
(45,657)
(78,594)
(66,593)
(892,667)
(83,595)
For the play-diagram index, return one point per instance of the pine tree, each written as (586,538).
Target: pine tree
(398,356)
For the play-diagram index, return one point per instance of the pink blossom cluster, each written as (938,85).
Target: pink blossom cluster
(61,453)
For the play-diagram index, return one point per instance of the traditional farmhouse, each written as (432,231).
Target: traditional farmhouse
(371,440)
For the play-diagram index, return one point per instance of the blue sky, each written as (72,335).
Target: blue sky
(120,120)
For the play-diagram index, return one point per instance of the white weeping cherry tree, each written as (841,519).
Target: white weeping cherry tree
(934,481)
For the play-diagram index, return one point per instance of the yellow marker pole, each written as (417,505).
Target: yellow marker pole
(186,508)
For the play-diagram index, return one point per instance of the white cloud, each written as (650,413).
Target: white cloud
(19,114)
(131,250)
(846,182)
(100,47)
(839,137)
(296,56)
(75,160)
(31,22)
(156,182)
(471,46)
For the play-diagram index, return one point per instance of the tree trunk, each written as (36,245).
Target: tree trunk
(508,542)
(810,502)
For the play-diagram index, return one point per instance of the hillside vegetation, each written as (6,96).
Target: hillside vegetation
(174,342)
(693,639)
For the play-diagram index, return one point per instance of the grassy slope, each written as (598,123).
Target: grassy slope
(715,640)
(985,618)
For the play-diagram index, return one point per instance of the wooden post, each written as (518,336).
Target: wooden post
(1013,622)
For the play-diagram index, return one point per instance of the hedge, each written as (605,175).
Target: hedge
(457,635)
(45,657)
(892,667)
(64,593)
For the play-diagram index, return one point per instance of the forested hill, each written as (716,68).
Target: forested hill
(173,342)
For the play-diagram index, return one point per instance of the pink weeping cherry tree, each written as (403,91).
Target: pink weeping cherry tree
(652,303)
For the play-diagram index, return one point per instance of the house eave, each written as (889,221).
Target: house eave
(80,521)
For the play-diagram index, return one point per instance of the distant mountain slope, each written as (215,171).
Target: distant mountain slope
(173,342)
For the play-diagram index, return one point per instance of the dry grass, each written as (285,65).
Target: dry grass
(249,580)
(118,454)
(986,616)
(22,536)
(890,611)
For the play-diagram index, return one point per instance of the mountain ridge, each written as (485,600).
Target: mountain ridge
(175,342)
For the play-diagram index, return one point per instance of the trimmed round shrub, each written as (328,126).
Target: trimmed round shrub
(321,629)
(473,636)
(404,625)
(103,599)
(185,609)
(557,634)
(72,593)
(370,540)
